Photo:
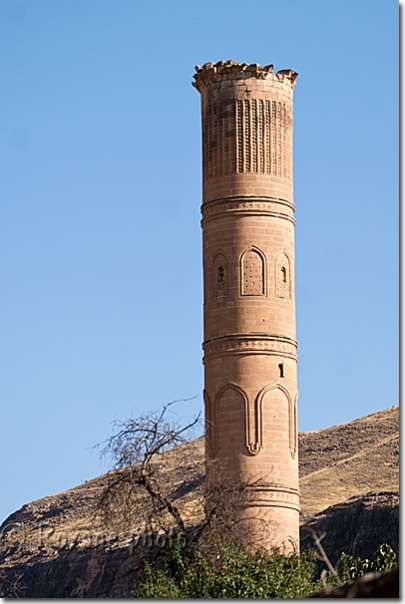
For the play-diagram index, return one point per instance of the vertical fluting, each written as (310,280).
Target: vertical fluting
(249,311)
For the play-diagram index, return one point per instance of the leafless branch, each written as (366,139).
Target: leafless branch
(133,449)
(323,555)
(11,588)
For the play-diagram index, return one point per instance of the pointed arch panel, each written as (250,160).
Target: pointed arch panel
(220,275)
(252,268)
(282,275)
(235,421)
(280,414)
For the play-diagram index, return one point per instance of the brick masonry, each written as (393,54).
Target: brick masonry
(249,309)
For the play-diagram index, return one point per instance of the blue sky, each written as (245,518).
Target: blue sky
(100,239)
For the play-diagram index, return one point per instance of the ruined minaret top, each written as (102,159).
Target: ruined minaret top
(210,73)
(247,129)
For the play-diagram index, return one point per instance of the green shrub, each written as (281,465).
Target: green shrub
(352,568)
(228,570)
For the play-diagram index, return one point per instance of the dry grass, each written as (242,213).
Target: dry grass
(350,459)
(335,464)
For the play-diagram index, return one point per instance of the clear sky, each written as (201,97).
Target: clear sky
(100,238)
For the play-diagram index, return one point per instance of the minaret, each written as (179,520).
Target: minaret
(249,310)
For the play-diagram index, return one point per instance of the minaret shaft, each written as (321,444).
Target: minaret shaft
(249,305)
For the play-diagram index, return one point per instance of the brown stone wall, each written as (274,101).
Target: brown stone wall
(249,309)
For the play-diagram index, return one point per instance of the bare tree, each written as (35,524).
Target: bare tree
(323,556)
(226,502)
(139,485)
(136,450)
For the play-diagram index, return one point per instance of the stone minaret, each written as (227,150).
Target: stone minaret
(249,310)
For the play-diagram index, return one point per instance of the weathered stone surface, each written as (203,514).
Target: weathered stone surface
(89,573)
(209,72)
(371,585)
(250,385)
(356,527)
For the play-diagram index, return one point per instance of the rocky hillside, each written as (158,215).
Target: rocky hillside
(60,547)
(348,460)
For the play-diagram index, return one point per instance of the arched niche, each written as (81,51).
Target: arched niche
(220,275)
(275,410)
(235,422)
(252,272)
(282,275)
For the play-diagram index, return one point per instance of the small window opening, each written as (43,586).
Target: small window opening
(284,274)
(281,370)
(221,277)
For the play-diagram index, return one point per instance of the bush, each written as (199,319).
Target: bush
(228,570)
(353,568)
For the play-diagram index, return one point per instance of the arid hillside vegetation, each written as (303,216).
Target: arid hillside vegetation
(353,465)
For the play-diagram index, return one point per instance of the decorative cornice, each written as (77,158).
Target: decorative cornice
(250,344)
(214,72)
(250,205)
(273,495)
(264,486)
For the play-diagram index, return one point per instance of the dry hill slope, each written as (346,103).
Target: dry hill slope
(350,459)
(336,464)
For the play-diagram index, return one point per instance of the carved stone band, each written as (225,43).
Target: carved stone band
(273,495)
(250,344)
(249,205)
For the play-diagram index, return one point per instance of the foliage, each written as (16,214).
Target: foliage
(228,570)
(353,568)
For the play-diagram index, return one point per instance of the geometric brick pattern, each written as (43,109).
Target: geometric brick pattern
(247,136)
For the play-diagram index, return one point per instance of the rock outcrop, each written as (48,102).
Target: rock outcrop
(372,585)
(356,527)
